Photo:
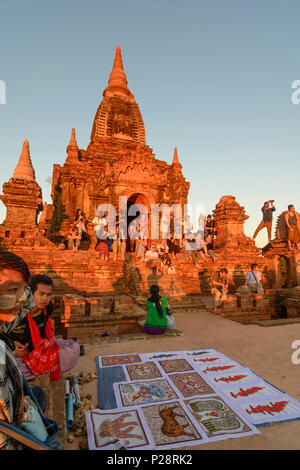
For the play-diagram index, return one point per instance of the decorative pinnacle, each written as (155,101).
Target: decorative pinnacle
(117,82)
(24,169)
(175,157)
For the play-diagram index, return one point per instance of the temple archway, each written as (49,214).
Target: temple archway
(135,199)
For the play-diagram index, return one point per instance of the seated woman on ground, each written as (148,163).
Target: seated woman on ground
(156,320)
(38,326)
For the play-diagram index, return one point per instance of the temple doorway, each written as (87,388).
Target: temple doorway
(136,199)
(285,272)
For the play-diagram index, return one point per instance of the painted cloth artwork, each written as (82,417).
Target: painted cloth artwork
(169,424)
(239,377)
(280,407)
(136,393)
(142,371)
(257,390)
(210,360)
(118,360)
(161,355)
(175,365)
(221,368)
(106,429)
(216,417)
(191,383)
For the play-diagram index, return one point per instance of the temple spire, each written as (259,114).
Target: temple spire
(24,169)
(72,149)
(73,142)
(175,157)
(117,82)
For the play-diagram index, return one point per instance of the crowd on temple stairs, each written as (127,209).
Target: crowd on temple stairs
(198,244)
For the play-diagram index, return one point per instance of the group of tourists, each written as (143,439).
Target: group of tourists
(221,281)
(292,223)
(28,347)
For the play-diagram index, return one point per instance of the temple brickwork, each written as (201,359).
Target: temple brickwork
(117,161)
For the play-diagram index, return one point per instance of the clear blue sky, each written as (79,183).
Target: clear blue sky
(211,77)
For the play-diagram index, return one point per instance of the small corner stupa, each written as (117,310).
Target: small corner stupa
(22,197)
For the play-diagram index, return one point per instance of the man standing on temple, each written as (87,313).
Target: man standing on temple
(267,219)
(292,220)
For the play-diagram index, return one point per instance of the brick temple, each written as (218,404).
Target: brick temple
(94,297)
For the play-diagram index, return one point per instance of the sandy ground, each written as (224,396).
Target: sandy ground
(265,350)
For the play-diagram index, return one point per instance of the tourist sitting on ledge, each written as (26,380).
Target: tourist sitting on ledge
(141,247)
(156,320)
(102,244)
(163,251)
(199,249)
(219,285)
(37,351)
(253,280)
(61,244)
(152,260)
(74,238)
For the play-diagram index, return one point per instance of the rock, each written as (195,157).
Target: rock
(70,438)
(78,432)
(83,444)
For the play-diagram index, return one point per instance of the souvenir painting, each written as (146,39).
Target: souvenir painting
(191,383)
(142,371)
(254,391)
(169,424)
(136,393)
(242,376)
(175,365)
(216,418)
(211,360)
(209,369)
(280,407)
(119,360)
(105,429)
(200,352)
(161,355)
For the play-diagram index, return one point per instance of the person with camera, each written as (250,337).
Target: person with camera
(267,210)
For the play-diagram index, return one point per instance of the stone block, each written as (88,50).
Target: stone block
(230,303)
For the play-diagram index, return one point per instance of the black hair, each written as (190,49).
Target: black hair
(253,265)
(9,260)
(155,298)
(289,206)
(224,270)
(39,279)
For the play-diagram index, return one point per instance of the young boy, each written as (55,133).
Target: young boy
(41,287)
